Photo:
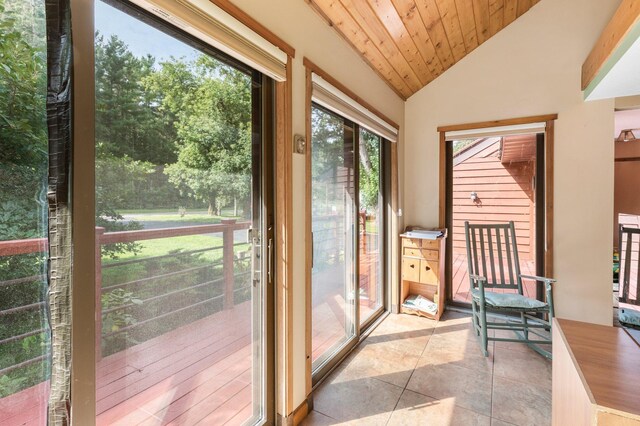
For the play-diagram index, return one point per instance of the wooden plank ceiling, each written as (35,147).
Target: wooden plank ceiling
(411,42)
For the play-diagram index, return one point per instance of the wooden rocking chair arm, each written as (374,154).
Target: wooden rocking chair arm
(537,278)
(478,277)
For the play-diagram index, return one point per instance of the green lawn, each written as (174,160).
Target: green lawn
(162,246)
(176,218)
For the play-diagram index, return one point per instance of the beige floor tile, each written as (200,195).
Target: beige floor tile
(470,388)
(445,349)
(521,404)
(515,346)
(496,422)
(416,409)
(452,382)
(365,400)
(318,419)
(408,333)
(527,367)
(382,362)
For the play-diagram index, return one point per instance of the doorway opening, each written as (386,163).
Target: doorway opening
(491,180)
(626,213)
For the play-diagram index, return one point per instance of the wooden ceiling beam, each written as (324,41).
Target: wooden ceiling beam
(364,15)
(388,16)
(625,19)
(355,36)
(408,11)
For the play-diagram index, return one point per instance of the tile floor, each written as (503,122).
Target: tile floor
(413,371)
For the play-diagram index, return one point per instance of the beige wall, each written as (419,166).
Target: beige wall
(533,67)
(296,23)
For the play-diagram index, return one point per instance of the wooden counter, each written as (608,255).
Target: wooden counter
(596,375)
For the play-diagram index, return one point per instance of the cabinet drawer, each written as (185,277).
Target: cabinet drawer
(411,269)
(429,272)
(411,243)
(431,244)
(413,252)
(430,254)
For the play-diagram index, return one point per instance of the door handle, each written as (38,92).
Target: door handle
(269,259)
(312,250)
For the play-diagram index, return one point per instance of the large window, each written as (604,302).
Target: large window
(24,328)
(179,228)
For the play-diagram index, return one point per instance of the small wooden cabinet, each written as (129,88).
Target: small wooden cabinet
(423,273)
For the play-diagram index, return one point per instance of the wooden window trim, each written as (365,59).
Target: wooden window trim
(499,123)
(254,25)
(309,65)
(284,245)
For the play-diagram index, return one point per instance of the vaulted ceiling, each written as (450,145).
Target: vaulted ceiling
(411,42)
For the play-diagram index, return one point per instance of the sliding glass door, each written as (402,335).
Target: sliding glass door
(181,206)
(333,216)
(348,234)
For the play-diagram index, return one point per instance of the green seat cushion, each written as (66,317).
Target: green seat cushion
(629,316)
(509,300)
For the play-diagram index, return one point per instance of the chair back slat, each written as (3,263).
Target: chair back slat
(488,245)
(483,255)
(509,257)
(492,262)
(629,239)
(500,261)
(516,257)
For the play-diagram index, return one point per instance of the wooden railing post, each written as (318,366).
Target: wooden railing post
(228,261)
(98,272)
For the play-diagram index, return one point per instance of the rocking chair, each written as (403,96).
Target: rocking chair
(497,245)
(629,278)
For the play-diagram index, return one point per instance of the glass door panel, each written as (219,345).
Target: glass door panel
(178,228)
(371,225)
(333,188)
(25,333)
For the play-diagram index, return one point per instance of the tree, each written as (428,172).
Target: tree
(23,130)
(369,170)
(128,119)
(212,104)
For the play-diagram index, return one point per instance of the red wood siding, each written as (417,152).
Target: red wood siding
(505,193)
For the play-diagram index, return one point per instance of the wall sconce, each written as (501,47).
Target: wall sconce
(474,197)
(626,136)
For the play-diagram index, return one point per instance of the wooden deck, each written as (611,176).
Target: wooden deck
(197,374)
(329,312)
(460,280)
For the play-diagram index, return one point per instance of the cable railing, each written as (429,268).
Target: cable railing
(220,278)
